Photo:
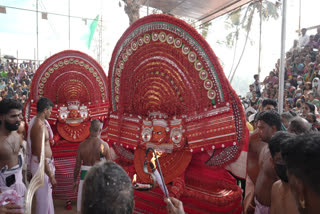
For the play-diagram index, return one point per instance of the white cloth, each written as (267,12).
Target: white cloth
(18,186)
(303,40)
(44,201)
(84,169)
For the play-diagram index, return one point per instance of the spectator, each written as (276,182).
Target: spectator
(249,94)
(256,85)
(298,126)
(308,108)
(313,100)
(304,39)
(282,200)
(302,156)
(286,118)
(271,79)
(316,87)
(295,46)
(268,104)
(312,119)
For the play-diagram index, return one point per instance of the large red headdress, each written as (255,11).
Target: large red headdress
(163,70)
(77,85)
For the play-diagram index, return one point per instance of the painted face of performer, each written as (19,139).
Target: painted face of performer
(12,120)
(73,113)
(158,135)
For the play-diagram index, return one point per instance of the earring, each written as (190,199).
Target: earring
(303,203)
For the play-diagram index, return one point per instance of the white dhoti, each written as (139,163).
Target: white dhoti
(44,202)
(11,185)
(83,172)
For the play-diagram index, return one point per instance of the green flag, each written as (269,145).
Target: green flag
(93,27)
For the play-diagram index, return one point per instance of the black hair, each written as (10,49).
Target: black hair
(43,103)
(276,140)
(8,104)
(272,118)
(299,125)
(311,107)
(302,156)
(269,102)
(314,118)
(256,75)
(107,189)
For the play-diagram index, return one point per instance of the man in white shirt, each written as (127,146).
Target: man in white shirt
(304,39)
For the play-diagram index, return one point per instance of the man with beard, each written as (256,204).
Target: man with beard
(38,125)
(11,185)
(282,201)
(269,123)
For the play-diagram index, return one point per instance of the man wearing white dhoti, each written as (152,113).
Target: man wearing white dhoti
(90,151)
(44,202)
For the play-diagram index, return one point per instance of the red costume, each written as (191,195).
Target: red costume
(168,91)
(77,85)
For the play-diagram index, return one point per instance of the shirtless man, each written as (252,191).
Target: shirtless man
(282,201)
(10,160)
(38,125)
(89,152)
(269,123)
(256,143)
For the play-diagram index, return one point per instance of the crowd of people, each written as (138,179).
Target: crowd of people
(301,82)
(15,79)
(284,150)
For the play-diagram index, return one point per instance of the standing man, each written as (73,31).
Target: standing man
(44,202)
(269,123)
(10,160)
(304,39)
(282,200)
(256,85)
(90,151)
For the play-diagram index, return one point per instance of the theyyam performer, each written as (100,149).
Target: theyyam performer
(168,92)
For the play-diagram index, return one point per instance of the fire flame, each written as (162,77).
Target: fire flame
(102,148)
(134,180)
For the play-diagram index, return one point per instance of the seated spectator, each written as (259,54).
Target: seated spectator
(313,100)
(302,156)
(271,79)
(308,108)
(307,88)
(299,107)
(2,85)
(254,101)
(286,118)
(295,46)
(268,104)
(316,87)
(249,94)
(298,126)
(310,74)
(312,119)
